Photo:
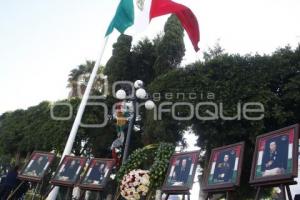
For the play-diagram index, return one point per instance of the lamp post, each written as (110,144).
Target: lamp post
(140,93)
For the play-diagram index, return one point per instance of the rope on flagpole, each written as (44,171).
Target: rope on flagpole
(77,121)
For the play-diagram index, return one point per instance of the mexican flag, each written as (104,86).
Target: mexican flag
(262,146)
(135,13)
(234,151)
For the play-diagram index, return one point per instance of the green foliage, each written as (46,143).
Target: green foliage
(142,61)
(135,160)
(118,66)
(131,64)
(160,165)
(272,80)
(24,131)
(171,49)
(147,59)
(156,156)
(11,129)
(29,196)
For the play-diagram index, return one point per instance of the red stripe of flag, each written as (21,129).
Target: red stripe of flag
(262,144)
(216,154)
(291,136)
(184,14)
(238,151)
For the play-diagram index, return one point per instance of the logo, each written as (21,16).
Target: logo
(140,4)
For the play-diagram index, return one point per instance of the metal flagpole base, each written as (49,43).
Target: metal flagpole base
(53,194)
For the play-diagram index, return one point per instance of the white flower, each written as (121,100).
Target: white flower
(145,181)
(134,189)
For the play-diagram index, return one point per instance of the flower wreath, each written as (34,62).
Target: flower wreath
(135,184)
(162,152)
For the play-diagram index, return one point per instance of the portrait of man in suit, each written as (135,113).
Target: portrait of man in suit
(69,170)
(96,174)
(224,169)
(275,156)
(36,166)
(181,171)
(225,166)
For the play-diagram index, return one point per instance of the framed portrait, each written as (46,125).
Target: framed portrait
(276,156)
(97,174)
(181,172)
(37,166)
(224,168)
(69,171)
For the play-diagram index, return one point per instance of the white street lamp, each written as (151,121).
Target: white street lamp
(149,105)
(138,84)
(121,94)
(141,93)
(136,128)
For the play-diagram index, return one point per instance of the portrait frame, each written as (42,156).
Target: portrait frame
(35,155)
(181,189)
(238,148)
(286,131)
(68,183)
(109,163)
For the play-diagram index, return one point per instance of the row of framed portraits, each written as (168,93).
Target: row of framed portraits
(69,171)
(179,177)
(275,160)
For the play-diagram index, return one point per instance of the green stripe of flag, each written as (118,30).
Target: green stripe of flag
(123,18)
(258,172)
(234,176)
(290,166)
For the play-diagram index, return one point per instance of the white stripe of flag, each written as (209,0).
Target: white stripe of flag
(213,168)
(260,155)
(290,155)
(236,164)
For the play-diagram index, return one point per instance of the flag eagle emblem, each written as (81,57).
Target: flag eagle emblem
(140,4)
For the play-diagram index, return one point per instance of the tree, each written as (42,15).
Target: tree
(11,129)
(170,49)
(272,80)
(142,61)
(79,77)
(131,63)
(118,66)
(24,131)
(214,52)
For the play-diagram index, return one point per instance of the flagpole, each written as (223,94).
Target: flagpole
(68,148)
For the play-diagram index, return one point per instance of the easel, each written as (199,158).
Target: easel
(67,196)
(228,193)
(14,192)
(183,193)
(284,186)
(100,194)
(36,190)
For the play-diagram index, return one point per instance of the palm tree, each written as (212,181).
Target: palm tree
(79,77)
